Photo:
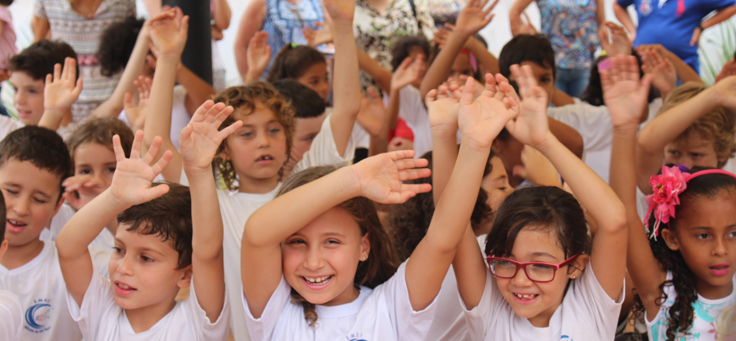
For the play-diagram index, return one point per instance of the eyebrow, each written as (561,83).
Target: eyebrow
(333,234)
(537,254)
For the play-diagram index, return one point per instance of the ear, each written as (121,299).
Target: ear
(186,278)
(365,248)
(578,265)
(670,238)
(3,248)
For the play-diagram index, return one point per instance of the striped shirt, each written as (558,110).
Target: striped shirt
(7,39)
(83,34)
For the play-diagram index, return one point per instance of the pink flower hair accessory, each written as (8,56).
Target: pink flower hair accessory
(666,188)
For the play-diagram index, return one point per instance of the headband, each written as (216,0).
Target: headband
(471,59)
(667,188)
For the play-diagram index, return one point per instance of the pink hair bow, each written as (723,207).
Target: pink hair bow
(667,188)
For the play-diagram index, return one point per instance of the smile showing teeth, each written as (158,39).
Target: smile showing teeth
(317,280)
(265,158)
(16,223)
(525,297)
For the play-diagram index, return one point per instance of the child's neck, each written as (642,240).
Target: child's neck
(142,319)
(17,256)
(542,319)
(713,292)
(257,186)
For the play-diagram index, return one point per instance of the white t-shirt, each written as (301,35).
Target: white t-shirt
(383,313)
(594,124)
(8,125)
(413,111)
(586,313)
(99,318)
(179,115)
(714,319)
(236,207)
(449,321)
(11,316)
(40,288)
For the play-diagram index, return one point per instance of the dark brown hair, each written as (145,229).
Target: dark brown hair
(244,99)
(293,61)
(101,131)
(117,43)
(382,261)
(403,46)
(38,60)
(168,217)
(2,217)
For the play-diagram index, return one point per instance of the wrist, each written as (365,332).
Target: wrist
(111,202)
(350,181)
(549,143)
(626,129)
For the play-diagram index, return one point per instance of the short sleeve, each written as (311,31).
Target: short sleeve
(39,9)
(410,324)
(593,123)
(11,316)
(262,328)
(589,294)
(201,323)
(479,318)
(97,303)
(625,3)
(324,150)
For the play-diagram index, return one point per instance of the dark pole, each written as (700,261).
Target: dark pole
(197,54)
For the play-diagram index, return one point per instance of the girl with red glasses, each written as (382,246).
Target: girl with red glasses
(548,279)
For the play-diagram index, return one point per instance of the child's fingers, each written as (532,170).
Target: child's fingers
(57,71)
(222,115)
(413,174)
(468,92)
(211,114)
(155,192)
(49,79)
(159,166)
(404,164)
(415,188)
(135,152)
(431,96)
(80,85)
(117,148)
(401,154)
(153,150)
(202,111)
(229,130)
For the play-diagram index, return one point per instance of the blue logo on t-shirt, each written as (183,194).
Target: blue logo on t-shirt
(355,337)
(38,316)
(565,337)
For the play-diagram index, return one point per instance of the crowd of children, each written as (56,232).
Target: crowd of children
(465,199)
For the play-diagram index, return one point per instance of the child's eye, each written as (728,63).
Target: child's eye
(117,250)
(333,241)
(40,201)
(146,259)
(11,191)
(697,155)
(85,171)
(274,131)
(248,134)
(544,80)
(111,169)
(674,153)
(702,236)
(296,241)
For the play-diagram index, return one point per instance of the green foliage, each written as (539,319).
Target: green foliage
(717,46)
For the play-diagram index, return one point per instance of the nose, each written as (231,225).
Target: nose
(686,161)
(19,97)
(313,259)
(721,247)
(20,206)
(126,267)
(521,279)
(263,140)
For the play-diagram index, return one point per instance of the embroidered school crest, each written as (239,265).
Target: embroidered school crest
(38,316)
(645,8)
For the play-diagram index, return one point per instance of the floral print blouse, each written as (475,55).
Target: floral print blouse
(572,29)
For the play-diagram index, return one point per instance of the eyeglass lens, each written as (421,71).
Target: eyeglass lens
(535,272)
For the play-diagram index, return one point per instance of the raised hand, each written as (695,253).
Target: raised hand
(62,88)
(340,10)
(530,126)
(664,75)
(729,69)
(318,37)
(200,139)
(135,114)
(372,114)
(481,120)
(443,105)
(624,95)
(473,17)
(131,183)
(81,189)
(526,26)
(536,168)
(379,177)
(408,72)
(168,31)
(259,53)
(620,44)
(726,89)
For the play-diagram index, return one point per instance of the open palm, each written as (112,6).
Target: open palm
(131,182)
(530,126)
(624,95)
(481,120)
(380,177)
(200,139)
(473,17)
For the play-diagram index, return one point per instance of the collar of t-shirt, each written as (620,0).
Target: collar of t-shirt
(343,310)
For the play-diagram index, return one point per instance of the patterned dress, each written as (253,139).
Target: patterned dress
(83,34)
(572,29)
(284,22)
(375,34)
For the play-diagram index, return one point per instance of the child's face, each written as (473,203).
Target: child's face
(28,98)
(414,53)
(31,197)
(258,149)
(97,161)
(691,151)
(461,66)
(317,79)
(705,234)
(509,151)
(496,184)
(532,300)
(305,132)
(544,77)
(143,270)
(320,260)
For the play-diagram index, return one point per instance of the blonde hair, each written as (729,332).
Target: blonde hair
(717,126)
(244,99)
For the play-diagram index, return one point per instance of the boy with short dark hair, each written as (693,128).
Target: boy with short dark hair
(169,237)
(34,161)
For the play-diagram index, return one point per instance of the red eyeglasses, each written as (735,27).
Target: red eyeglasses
(536,271)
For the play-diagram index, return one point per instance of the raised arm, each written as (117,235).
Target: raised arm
(623,16)
(592,192)
(40,28)
(199,142)
(169,35)
(624,96)
(258,56)
(250,22)
(131,185)
(670,124)
(515,15)
(198,91)
(684,71)
(375,70)
(480,121)
(221,14)
(720,16)
(346,79)
(471,19)
(61,91)
(134,68)
(405,74)
(377,178)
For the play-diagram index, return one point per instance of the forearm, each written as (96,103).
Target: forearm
(86,224)
(346,85)
(40,28)
(378,144)
(683,70)
(720,17)
(394,104)
(444,157)
(515,21)
(206,218)
(333,189)
(440,68)
(375,70)
(222,14)
(198,91)
(623,16)
(51,119)
(568,136)
(158,115)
